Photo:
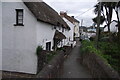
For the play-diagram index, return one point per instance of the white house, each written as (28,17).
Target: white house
(73,23)
(113,27)
(25,26)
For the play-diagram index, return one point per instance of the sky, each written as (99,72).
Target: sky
(80,9)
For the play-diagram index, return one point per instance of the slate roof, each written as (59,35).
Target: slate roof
(45,13)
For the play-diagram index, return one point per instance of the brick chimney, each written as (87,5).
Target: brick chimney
(63,14)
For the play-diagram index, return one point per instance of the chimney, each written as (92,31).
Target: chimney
(72,17)
(62,13)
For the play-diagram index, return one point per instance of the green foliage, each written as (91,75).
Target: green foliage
(112,52)
(108,48)
(39,50)
(59,49)
(109,52)
(88,47)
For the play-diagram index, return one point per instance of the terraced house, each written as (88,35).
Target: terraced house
(25,26)
(73,23)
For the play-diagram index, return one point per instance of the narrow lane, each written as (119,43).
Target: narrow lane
(72,67)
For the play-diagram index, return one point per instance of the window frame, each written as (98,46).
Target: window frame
(17,17)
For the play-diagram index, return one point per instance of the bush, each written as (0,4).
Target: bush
(88,47)
(105,39)
(39,50)
(112,50)
(107,51)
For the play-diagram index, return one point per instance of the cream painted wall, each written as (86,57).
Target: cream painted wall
(77,29)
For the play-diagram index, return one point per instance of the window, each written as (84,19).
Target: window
(19,17)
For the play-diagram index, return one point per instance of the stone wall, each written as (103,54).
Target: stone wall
(98,67)
(51,70)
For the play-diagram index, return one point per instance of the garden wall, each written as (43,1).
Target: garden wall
(98,67)
(52,69)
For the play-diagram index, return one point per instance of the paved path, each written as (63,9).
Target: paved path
(72,67)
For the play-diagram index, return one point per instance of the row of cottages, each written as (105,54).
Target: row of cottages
(25,26)
(73,24)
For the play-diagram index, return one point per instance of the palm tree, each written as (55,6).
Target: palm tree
(108,7)
(102,19)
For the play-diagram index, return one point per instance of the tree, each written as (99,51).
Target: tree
(108,7)
(102,19)
(107,12)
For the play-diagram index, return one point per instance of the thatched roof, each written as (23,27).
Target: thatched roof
(45,13)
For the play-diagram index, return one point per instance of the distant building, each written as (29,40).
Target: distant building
(87,32)
(113,27)
(73,23)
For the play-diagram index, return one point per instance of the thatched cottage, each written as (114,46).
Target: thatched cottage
(25,26)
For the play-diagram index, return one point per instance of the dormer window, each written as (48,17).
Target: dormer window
(19,17)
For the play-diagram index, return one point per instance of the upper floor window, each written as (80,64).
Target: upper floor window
(19,17)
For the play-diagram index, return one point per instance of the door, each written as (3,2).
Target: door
(48,46)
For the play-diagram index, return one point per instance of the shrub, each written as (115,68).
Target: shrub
(109,52)
(88,47)
(39,50)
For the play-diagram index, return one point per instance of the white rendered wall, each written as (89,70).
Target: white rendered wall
(113,27)
(45,33)
(19,42)
(71,32)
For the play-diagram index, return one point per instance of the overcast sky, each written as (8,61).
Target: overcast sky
(81,9)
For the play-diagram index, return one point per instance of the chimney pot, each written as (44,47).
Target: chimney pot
(72,16)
